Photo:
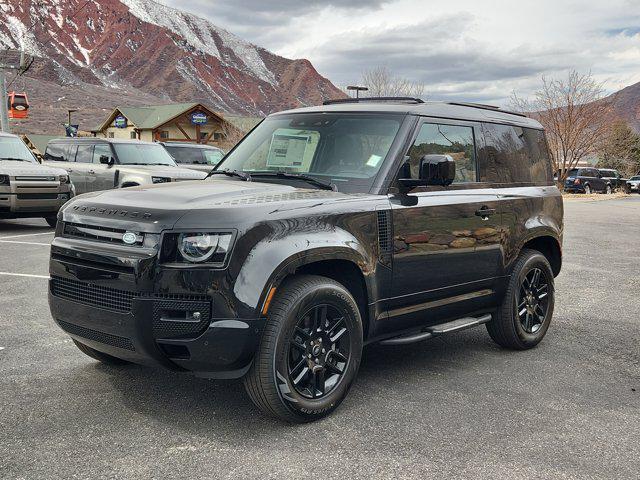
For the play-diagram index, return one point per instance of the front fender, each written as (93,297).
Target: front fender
(270,261)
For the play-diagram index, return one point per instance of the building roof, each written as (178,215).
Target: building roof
(152,116)
(459,111)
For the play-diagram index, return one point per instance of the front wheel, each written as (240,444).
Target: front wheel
(310,350)
(608,190)
(522,320)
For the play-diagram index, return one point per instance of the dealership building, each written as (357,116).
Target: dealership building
(181,122)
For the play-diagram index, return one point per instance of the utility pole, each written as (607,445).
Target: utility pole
(19,65)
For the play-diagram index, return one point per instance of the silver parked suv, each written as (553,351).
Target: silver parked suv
(28,189)
(101,164)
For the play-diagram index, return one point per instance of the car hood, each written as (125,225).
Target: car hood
(161,171)
(229,202)
(27,169)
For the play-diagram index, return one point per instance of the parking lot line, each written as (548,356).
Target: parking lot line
(25,243)
(9,274)
(25,235)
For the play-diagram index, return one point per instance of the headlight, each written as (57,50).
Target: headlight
(160,179)
(64,179)
(204,247)
(4,179)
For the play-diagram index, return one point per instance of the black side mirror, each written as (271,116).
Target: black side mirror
(106,160)
(437,170)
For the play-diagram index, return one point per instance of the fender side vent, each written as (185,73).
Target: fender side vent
(385,236)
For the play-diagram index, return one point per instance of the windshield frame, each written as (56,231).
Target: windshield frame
(373,184)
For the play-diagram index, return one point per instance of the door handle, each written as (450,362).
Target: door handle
(69,170)
(485,212)
(91,172)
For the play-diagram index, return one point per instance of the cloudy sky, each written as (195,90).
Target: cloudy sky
(476,50)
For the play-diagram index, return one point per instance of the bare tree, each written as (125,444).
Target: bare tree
(575,115)
(231,135)
(621,149)
(382,83)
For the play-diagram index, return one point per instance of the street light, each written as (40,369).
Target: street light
(358,89)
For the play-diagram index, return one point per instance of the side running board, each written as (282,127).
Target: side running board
(441,329)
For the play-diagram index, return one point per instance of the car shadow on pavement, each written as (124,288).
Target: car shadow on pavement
(206,406)
(16,227)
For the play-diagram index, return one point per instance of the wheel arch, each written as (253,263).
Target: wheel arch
(550,247)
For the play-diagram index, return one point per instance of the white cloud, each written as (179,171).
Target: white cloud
(461,49)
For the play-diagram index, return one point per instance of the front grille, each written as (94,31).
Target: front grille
(37,196)
(93,295)
(101,234)
(96,336)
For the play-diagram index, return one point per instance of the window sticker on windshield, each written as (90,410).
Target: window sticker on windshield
(374,160)
(287,150)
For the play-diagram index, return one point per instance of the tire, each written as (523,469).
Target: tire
(608,190)
(51,221)
(101,357)
(587,189)
(283,380)
(508,328)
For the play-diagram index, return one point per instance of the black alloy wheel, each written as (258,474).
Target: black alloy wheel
(319,351)
(533,300)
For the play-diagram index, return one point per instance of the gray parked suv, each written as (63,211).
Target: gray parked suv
(101,164)
(28,189)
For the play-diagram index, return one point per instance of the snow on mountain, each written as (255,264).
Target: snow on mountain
(131,46)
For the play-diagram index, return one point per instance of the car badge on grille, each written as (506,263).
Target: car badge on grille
(129,238)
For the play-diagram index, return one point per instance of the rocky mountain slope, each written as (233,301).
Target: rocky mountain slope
(626,104)
(100,53)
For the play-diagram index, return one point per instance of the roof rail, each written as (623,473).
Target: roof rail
(483,106)
(374,99)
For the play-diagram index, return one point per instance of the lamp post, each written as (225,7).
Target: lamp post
(357,89)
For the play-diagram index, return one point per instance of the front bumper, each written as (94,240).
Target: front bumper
(33,197)
(129,307)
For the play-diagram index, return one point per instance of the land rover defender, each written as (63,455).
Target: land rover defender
(325,229)
(103,163)
(28,189)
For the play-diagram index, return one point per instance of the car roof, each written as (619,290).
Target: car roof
(445,110)
(98,140)
(189,145)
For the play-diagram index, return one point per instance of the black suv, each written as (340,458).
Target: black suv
(614,179)
(325,229)
(586,180)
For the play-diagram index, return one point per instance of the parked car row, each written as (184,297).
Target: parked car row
(593,180)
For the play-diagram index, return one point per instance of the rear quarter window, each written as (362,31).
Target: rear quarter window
(514,155)
(56,152)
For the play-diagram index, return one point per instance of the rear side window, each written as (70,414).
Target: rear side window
(186,155)
(515,155)
(453,140)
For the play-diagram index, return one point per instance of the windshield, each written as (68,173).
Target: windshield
(14,149)
(142,154)
(635,178)
(346,150)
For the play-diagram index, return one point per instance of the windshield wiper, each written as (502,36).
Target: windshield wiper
(299,176)
(12,159)
(230,173)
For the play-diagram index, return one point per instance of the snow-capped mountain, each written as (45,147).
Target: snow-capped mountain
(142,49)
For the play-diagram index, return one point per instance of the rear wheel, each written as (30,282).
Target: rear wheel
(309,353)
(524,316)
(52,221)
(587,189)
(608,190)
(101,357)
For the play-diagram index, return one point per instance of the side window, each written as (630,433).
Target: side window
(101,150)
(453,140)
(213,157)
(55,152)
(514,155)
(85,154)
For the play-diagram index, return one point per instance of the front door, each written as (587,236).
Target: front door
(447,241)
(101,176)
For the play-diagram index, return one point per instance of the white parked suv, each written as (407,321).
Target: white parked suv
(103,163)
(28,189)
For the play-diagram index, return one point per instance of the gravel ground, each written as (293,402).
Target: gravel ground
(454,407)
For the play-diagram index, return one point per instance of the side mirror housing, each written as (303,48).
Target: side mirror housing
(437,170)
(434,170)
(106,160)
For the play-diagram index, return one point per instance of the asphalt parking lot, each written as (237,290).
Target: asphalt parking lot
(454,407)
